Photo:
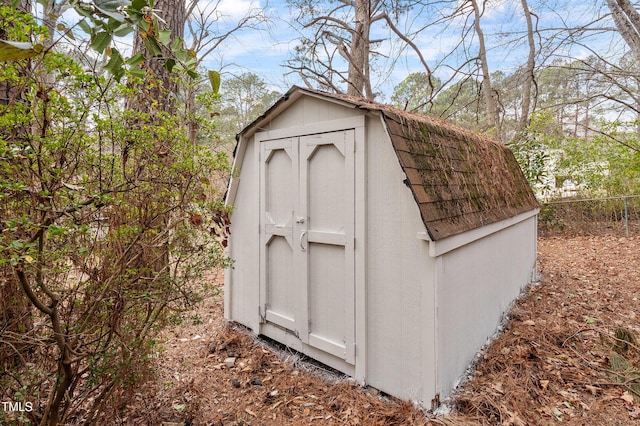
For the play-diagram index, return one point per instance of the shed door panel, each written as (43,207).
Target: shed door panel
(307,239)
(327,201)
(279,171)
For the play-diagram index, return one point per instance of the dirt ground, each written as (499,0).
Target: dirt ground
(568,355)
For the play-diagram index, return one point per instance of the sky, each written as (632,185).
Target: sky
(266,52)
(265,49)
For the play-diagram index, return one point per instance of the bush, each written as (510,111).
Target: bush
(98,242)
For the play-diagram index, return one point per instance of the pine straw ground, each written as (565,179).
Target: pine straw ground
(566,356)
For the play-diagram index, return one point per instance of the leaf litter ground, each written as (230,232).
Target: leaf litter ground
(568,355)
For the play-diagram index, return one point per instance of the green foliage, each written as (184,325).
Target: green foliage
(244,98)
(16,50)
(97,229)
(459,103)
(532,147)
(415,92)
(104,21)
(214,79)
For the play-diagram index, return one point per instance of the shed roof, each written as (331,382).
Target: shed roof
(459,179)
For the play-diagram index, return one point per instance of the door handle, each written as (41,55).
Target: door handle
(302,235)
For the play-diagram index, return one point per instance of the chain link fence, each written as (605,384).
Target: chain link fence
(596,216)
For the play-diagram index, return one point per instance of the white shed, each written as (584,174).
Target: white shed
(384,244)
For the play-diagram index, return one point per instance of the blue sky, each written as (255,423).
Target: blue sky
(264,51)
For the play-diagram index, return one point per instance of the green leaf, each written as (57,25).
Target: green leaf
(135,59)
(138,4)
(112,4)
(193,74)
(14,50)
(177,44)
(164,37)
(144,26)
(84,26)
(57,230)
(152,46)
(100,41)
(114,66)
(111,14)
(169,64)
(137,73)
(214,79)
(123,30)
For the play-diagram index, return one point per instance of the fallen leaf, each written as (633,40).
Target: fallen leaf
(498,387)
(627,397)
(544,384)
(529,322)
(276,405)
(593,389)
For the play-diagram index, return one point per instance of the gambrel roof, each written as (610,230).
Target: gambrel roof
(460,180)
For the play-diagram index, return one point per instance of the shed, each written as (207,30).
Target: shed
(384,244)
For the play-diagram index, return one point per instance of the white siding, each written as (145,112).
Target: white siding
(400,298)
(476,284)
(242,290)
(307,110)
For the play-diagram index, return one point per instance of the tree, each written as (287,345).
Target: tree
(415,93)
(15,312)
(203,26)
(81,230)
(157,57)
(341,37)
(627,19)
(528,70)
(244,98)
(490,95)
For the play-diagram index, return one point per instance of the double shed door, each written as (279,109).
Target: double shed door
(307,239)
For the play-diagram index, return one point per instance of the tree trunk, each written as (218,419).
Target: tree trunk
(359,84)
(491,102)
(15,310)
(528,71)
(7,92)
(171,15)
(172,12)
(627,20)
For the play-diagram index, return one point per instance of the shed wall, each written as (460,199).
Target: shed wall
(476,283)
(242,291)
(400,293)
(308,110)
